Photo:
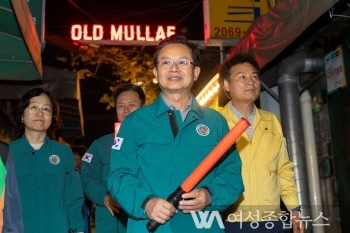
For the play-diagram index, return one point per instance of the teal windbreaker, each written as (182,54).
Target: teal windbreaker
(49,187)
(94,175)
(148,161)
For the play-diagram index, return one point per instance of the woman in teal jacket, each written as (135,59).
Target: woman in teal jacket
(49,187)
(109,218)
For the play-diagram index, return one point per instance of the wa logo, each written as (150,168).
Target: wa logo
(205,221)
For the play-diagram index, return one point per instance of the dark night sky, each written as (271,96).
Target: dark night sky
(61,14)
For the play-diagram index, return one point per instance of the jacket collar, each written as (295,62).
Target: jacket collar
(161,107)
(26,147)
(260,115)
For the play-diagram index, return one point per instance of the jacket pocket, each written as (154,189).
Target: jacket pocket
(272,168)
(155,147)
(24,171)
(55,170)
(201,147)
(272,172)
(203,143)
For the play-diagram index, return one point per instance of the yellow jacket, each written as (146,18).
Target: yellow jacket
(266,170)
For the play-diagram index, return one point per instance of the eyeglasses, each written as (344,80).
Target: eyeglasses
(181,63)
(47,111)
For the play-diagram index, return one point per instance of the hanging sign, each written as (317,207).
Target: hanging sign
(97,32)
(335,70)
(226,21)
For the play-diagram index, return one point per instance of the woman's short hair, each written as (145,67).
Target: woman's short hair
(17,113)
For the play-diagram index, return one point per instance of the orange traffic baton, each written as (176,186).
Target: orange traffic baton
(203,168)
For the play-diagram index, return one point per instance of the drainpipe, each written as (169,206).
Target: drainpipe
(311,161)
(291,119)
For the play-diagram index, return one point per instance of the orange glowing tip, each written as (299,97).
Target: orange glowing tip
(218,151)
(116,128)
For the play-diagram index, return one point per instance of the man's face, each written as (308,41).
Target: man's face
(176,79)
(126,103)
(244,85)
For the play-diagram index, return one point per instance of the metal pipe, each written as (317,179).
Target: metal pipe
(311,161)
(291,118)
(292,130)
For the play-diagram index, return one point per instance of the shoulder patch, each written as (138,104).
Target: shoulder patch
(87,157)
(117,143)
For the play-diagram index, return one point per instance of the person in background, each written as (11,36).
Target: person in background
(159,145)
(109,217)
(12,210)
(78,153)
(266,169)
(49,187)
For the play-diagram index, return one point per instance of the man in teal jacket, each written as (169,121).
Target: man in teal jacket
(109,218)
(94,179)
(159,145)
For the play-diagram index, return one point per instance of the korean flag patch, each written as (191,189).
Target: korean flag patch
(87,157)
(117,143)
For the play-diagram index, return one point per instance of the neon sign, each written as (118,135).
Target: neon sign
(120,32)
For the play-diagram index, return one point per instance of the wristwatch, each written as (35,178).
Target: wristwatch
(144,203)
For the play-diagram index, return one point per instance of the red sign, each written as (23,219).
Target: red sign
(121,32)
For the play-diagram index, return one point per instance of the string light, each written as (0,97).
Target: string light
(209,92)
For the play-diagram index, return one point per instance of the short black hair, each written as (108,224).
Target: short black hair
(17,113)
(177,39)
(129,87)
(239,58)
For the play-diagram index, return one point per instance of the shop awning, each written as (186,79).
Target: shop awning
(20,48)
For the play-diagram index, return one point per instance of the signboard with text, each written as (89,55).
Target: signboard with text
(335,70)
(118,33)
(226,21)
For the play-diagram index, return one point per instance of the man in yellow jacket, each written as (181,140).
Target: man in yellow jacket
(266,169)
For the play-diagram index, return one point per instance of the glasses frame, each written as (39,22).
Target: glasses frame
(39,109)
(176,63)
